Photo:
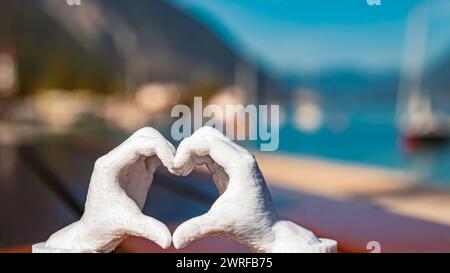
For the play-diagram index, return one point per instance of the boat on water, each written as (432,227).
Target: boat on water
(421,124)
(418,119)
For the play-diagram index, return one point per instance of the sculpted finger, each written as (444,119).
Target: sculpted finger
(145,142)
(209,141)
(151,229)
(166,153)
(163,148)
(183,163)
(195,229)
(207,131)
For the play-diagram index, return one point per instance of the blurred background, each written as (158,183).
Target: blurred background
(364,95)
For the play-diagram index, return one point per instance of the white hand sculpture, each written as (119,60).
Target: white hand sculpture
(117,193)
(244,211)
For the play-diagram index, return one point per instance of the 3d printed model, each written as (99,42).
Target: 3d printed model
(117,193)
(244,211)
(122,178)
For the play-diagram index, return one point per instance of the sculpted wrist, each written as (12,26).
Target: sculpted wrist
(292,238)
(65,240)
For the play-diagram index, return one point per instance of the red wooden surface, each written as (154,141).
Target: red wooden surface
(352,224)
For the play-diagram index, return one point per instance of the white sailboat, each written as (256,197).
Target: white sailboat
(415,114)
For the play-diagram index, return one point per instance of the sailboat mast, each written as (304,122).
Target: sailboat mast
(411,97)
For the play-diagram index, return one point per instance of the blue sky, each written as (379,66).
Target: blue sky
(315,35)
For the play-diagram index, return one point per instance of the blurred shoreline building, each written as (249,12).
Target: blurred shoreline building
(151,41)
(116,61)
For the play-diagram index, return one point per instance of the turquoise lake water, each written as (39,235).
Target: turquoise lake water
(370,138)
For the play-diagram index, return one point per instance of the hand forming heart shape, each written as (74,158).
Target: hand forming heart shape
(122,178)
(117,193)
